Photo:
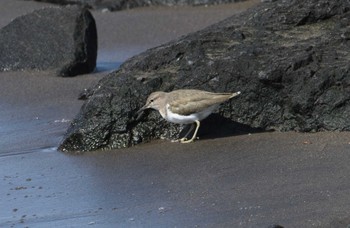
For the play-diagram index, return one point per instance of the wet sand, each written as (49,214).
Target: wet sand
(248,180)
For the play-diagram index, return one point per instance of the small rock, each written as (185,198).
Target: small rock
(60,39)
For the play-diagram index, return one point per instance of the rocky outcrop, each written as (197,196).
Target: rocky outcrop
(290,60)
(61,39)
(114,5)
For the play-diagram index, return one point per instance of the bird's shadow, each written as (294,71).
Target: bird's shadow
(217,126)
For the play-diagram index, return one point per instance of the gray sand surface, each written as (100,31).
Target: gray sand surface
(255,180)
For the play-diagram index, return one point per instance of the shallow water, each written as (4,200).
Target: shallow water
(257,180)
(107,66)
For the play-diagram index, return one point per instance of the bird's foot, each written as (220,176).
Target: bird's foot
(184,140)
(179,140)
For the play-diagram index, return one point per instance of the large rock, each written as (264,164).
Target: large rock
(290,59)
(113,5)
(62,39)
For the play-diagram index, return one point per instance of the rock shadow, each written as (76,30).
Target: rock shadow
(217,126)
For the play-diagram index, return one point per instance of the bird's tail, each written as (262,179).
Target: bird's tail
(235,94)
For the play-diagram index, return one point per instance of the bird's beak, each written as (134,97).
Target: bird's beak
(141,109)
(139,112)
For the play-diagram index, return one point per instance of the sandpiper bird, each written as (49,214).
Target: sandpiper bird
(186,106)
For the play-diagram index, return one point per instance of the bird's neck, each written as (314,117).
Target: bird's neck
(163,111)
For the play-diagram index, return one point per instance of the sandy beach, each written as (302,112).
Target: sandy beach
(247,180)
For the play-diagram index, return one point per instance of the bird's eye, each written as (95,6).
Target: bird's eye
(152,101)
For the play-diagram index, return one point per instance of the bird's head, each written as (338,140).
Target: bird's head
(155,101)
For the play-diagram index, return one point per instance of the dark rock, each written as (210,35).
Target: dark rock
(61,39)
(114,5)
(289,59)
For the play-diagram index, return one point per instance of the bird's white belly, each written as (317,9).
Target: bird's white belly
(181,119)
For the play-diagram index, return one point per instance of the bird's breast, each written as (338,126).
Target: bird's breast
(187,119)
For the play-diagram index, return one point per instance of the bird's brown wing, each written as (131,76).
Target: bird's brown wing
(192,101)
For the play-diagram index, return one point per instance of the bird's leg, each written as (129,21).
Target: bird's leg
(185,137)
(183,140)
(188,132)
